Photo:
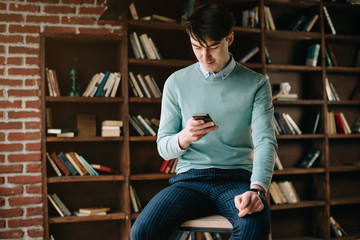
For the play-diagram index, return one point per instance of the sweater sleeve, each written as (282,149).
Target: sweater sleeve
(170,122)
(263,136)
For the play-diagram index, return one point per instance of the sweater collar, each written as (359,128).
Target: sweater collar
(223,73)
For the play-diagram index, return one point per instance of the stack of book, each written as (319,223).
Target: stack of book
(144,47)
(283,192)
(52,81)
(269,21)
(336,229)
(331,93)
(153,17)
(250,18)
(144,126)
(309,159)
(70,163)
(103,85)
(280,96)
(58,205)
(284,124)
(96,211)
(62,132)
(337,123)
(303,23)
(144,86)
(135,201)
(169,166)
(111,128)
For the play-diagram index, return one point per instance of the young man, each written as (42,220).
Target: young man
(216,170)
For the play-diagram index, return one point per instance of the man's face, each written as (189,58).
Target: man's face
(214,55)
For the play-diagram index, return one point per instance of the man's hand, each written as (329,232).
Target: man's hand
(194,131)
(247,203)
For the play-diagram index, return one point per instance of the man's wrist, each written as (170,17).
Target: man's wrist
(261,193)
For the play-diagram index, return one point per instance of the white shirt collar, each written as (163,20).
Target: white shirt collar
(223,73)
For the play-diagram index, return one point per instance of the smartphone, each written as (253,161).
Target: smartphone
(203,116)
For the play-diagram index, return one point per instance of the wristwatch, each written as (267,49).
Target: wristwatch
(262,194)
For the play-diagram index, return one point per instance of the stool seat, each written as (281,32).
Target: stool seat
(210,223)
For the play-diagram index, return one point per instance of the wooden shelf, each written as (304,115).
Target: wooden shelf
(100,178)
(292,171)
(144,100)
(302,136)
(84,139)
(150,176)
(75,219)
(302,204)
(279,67)
(345,200)
(85,99)
(292,35)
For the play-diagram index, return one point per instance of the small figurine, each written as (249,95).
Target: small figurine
(73,77)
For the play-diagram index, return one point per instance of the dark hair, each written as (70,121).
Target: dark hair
(211,21)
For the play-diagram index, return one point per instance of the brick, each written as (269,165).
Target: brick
(32,39)
(91,10)
(34,189)
(2,60)
(2,223)
(59,30)
(24,71)
(2,202)
(31,82)
(2,48)
(44,1)
(23,50)
(2,159)
(11,17)
(23,136)
(32,104)
(23,93)
(14,61)
(11,191)
(33,168)
(24,7)
(9,213)
(32,61)
(42,19)
(34,211)
(22,201)
(25,222)
(8,234)
(32,125)
(24,29)
(78,20)
(13,168)
(10,82)
(2,6)
(2,180)
(59,9)
(24,179)
(78,1)
(23,114)
(2,28)
(33,147)
(102,31)
(10,104)
(35,232)
(30,157)
(11,39)
(10,125)
(8,147)
(2,136)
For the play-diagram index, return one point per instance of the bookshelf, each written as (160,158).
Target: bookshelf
(329,188)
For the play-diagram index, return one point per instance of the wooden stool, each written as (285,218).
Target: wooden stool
(214,223)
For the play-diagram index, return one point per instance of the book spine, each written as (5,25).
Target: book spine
(57,170)
(61,165)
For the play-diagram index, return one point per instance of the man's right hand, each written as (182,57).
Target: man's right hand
(194,131)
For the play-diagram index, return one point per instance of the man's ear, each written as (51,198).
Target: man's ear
(230,38)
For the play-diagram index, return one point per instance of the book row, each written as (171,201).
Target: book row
(144,86)
(103,85)
(284,124)
(144,126)
(71,163)
(169,166)
(307,161)
(144,47)
(63,211)
(283,192)
(337,123)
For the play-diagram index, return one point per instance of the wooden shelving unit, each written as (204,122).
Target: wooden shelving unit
(330,188)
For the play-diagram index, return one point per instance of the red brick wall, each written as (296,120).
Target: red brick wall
(21,23)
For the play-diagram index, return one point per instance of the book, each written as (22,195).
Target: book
(340,126)
(53,164)
(336,229)
(312,55)
(133,200)
(249,54)
(61,205)
(145,43)
(139,47)
(75,164)
(67,163)
(117,123)
(104,168)
(332,54)
(355,127)
(312,123)
(116,85)
(66,134)
(96,85)
(148,128)
(91,84)
(154,90)
(138,129)
(48,118)
(250,18)
(143,85)
(108,85)
(278,163)
(94,210)
(134,82)
(86,125)
(102,84)
(276,194)
(329,21)
(133,11)
(293,124)
(60,164)
(60,130)
(269,18)
(162,18)
(310,22)
(54,79)
(298,23)
(309,159)
(54,204)
(79,162)
(289,192)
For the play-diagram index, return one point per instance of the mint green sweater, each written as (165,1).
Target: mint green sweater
(240,105)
